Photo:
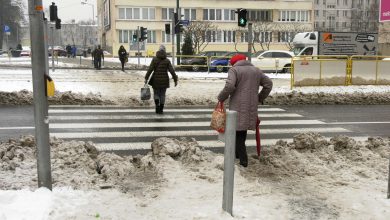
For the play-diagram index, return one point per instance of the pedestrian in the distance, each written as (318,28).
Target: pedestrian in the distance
(68,49)
(98,55)
(74,51)
(122,53)
(242,86)
(159,67)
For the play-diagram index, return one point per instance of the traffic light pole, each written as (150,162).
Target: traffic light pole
(250,39)
(52,49)
(178,11)
(173,38)
(40,101)
(138,37)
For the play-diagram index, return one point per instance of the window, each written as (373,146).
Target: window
(151,36)
(189,14)
(219,15)
(286,36)
(344,24)
(317,2)
(324,2)
(166,38)
(345,2)
(122,13)
(166,13)
(145,13)
(152,14)
(259,15)
(129,13)
(123,36)
(345,13)
(136,12)
(293,16)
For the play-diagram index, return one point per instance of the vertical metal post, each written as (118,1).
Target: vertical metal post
(228,171)
(52,49)
(138,36)
(173,38)
(40,101)
(388,183)
(250,41)
(46,39)
(178,11)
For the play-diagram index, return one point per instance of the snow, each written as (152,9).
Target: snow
(309,178)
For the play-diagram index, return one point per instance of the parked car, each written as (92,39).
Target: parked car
(257,53)
(272,60)
(221,64)
(60,52)
(25,53)
(201,61)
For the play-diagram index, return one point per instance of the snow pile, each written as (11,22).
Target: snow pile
(25,97)
(309,178)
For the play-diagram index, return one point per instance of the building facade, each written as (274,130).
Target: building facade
(346,15)
(274,23)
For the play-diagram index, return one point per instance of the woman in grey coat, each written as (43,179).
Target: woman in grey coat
(242,85)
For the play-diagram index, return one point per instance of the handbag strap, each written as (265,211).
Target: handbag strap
(154,70)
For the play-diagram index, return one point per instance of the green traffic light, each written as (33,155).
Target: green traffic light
(242,21)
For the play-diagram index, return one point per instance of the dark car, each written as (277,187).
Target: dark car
(196,63)
(222,64)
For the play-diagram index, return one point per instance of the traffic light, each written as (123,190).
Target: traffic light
(167,29)
(53,12)
(58,23)
(178,24)
(134,38)
(144,33)
(242,20)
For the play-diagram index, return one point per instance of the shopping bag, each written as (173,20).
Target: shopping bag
(218,118)
(145,93)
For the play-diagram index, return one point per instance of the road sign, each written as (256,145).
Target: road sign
(7,29)
(185,22)
(384,11)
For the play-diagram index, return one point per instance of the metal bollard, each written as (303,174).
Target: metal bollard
(228,169)
(388,183)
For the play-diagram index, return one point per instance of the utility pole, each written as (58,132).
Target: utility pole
(38,60)
(173,38)
(250,41)
(178,11)
(52,48)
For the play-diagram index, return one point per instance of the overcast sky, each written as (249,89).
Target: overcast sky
(71,9)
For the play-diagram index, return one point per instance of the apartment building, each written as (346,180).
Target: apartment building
(274,22)
(346,15)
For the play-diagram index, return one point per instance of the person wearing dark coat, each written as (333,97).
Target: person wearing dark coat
(68,49)
(97,56)
(242,86)
(159,81)
(122,53)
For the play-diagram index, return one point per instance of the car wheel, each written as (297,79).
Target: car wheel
(195,68)
(287,68)
(220,69)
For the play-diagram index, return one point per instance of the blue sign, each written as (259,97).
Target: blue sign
(7,29)
(185,22)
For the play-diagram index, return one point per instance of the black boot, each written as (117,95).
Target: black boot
(162,109)
(157,102)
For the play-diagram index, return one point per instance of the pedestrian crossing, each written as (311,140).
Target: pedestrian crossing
(114,128)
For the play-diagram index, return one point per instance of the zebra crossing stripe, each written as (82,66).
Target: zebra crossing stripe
(189,116)
(173,124)
(168,110)
(179,133)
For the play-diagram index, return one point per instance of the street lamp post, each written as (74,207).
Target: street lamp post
(93,10)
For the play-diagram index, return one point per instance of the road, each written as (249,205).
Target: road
(131,130)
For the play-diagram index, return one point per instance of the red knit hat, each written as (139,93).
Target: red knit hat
(236,58)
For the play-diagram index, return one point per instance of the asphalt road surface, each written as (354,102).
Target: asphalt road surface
(127,130)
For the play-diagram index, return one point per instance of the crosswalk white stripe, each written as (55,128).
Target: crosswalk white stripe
(210,144)
(124,134)
(101,106)
(66,111)
(16,128)
(167,116)
(173,124)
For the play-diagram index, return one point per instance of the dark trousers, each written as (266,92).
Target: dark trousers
(98,63)
(241,148)
(159,94)
(123,64)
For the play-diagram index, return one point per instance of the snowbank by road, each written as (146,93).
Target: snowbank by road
(309,178)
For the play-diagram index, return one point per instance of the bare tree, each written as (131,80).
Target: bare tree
(287,32)
(198,30)
(241,33)
(263,33)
